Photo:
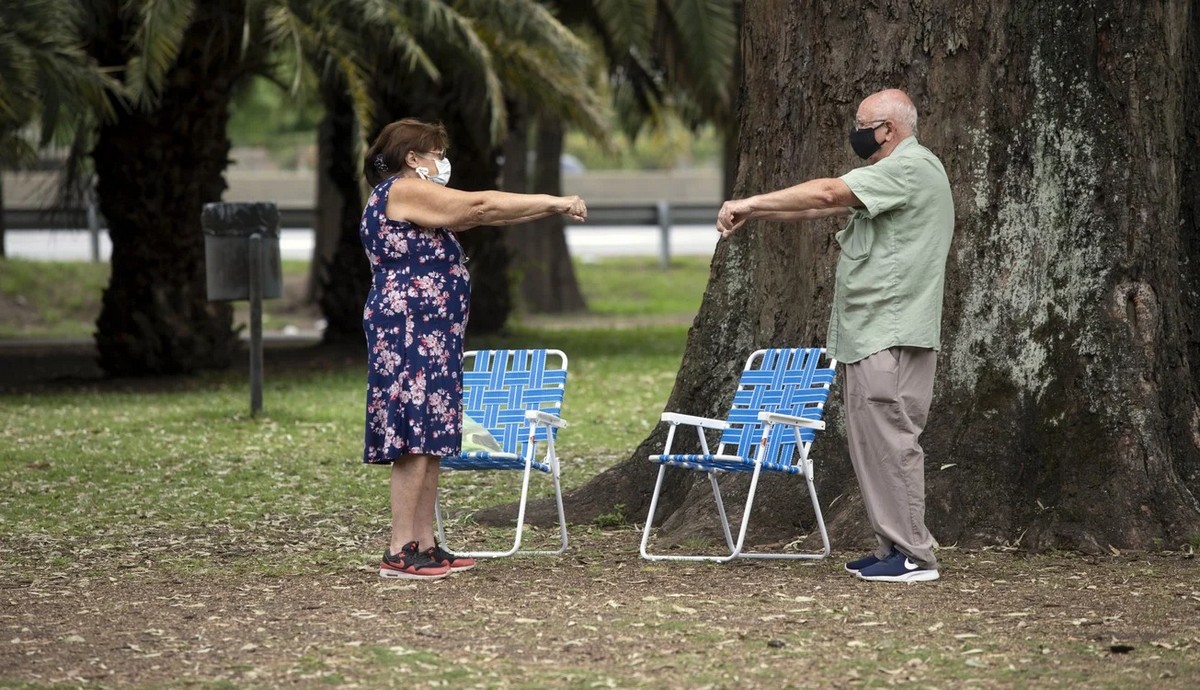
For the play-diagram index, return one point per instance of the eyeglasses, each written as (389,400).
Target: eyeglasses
(435,155)
(869,124)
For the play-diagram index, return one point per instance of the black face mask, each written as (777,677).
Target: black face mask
(863,141)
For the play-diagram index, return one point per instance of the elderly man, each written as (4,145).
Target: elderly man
(886,321)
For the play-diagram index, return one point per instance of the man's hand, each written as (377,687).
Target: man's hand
(733,214)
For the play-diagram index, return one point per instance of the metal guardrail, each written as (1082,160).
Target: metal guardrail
(661,214)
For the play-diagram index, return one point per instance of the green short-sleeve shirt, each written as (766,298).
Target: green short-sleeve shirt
(891,274)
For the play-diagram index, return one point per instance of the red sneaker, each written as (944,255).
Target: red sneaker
(412,564)
(455,563)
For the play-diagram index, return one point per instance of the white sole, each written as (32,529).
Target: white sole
(914,576)
(398,575)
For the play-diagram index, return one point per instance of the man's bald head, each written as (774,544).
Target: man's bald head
(893,105)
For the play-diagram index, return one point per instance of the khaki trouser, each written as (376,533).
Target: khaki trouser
(887,399)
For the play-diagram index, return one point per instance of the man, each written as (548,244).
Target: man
(886,321)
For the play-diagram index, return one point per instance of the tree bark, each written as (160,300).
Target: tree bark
(340,266)
(3,224)
(1065,409)
(547,277)
(339,193)
(514,174)
(156,168)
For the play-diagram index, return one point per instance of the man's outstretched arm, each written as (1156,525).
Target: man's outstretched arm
(808,200)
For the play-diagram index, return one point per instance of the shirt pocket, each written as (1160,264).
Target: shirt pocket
(856,240)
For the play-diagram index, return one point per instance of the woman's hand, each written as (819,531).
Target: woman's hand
(576,209)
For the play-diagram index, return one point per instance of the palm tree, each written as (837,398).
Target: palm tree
(157,163)
(163,155)
(487,52)
(48,85)
(662,55)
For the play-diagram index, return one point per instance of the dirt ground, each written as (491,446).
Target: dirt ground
(600,616)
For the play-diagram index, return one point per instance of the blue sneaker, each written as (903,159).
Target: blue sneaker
(898,568)
(864,562)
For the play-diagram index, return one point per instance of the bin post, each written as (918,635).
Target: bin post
(256,338)
(664,229)
(93,221)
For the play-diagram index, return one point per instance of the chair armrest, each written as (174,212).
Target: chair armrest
(545,418)
(776,418)
(705,422)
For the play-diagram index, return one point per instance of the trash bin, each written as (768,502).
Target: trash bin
(228,229)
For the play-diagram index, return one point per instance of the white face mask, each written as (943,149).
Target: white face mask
(443,172)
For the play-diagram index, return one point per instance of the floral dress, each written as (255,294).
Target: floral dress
(414,320)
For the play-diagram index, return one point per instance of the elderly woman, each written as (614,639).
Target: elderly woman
(415,318)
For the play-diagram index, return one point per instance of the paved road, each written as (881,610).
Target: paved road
(585,242)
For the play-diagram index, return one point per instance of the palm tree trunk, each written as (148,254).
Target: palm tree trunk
(514,175)
(337,182)
(156,169)
(548,283)
(3,225)
(340,267)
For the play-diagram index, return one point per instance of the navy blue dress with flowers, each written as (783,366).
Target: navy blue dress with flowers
(414,319)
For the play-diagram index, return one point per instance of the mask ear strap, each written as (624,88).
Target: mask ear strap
(422,172)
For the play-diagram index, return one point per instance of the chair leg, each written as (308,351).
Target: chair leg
(437,520)
(562,518)
(812,494)
(716,488)
(733,548)
(520,523)
(662,469)
(521,505)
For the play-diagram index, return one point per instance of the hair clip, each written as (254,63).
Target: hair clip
(379,164)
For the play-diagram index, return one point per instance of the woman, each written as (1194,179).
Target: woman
(415,318)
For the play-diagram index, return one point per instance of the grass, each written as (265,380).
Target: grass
(639,287)
(188,457)
(50,299)
(62,299)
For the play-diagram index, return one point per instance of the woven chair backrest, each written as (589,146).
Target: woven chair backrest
(500,385)
(791,381)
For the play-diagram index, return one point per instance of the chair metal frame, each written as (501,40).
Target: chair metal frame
(518,398)
(776,410)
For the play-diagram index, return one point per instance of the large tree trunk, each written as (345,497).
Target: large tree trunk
(547,276)
(156,168)
(1065,408)
(340,266)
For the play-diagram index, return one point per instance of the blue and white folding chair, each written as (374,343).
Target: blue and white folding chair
(517,396)
(777,409)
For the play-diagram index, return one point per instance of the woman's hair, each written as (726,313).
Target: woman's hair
(385,157)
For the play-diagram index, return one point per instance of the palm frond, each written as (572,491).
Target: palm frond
(400,23)
(160,28)
(541,59)
(696,39)
(49,87)
(626,24)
